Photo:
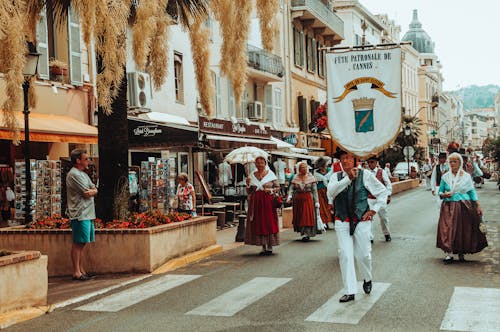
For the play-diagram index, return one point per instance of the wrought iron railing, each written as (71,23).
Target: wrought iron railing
(265,61)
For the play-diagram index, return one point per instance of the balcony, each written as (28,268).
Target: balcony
(318,15)
(264,65)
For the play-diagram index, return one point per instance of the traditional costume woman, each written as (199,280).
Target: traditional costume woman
(460,217)
(322,177)
(262,221)
(304,193)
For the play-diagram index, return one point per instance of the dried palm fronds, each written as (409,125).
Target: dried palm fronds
(223,12)
(201,53)
(33,9)
(266,11)
(158,57)
(111,49)
(12,59)
(239,49)
(86,9)
(186,10)
(142,30)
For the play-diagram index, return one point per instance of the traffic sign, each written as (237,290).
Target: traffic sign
(435,141)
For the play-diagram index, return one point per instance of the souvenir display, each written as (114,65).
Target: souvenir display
(155,185)
(45,188)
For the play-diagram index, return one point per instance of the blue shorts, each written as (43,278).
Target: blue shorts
(83,231)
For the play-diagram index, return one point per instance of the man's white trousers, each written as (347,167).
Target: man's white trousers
(384,219)
(357,246)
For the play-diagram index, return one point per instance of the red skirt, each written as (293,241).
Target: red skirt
(262,222)
(324,209)
(303,210)
(458,229)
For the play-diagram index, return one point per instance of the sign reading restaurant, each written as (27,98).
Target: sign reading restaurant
(224,127)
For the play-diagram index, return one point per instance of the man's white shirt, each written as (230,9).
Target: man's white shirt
(372,184)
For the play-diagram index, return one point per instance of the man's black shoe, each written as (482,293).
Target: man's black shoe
(347,298)
(367,286)
(388,238)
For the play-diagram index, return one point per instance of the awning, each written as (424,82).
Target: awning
(292,155)
(281,144)
(164,117)
(230,142)
(147,133)
(53,128)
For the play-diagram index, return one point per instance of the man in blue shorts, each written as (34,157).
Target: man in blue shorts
(81,211)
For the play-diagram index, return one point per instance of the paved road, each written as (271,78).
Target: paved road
(298,288)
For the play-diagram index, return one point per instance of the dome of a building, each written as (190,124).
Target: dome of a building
(419,38)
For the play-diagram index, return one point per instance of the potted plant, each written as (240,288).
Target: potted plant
(58,67)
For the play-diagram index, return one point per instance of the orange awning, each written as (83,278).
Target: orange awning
(53,128)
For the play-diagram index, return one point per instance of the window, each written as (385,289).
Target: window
(474,131)
(298,47)
(358,40)
(309,54)
(474,124)
(314,50)
(178,77)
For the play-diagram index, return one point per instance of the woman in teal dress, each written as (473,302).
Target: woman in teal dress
(458,228)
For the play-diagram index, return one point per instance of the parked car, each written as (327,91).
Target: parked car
(401,170)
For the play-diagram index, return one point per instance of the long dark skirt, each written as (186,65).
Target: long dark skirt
(304,214)
(458,229)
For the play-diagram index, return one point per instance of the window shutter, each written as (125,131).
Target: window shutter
(42,46)
(277,109)
(232,104)
(313,54)
(75,55)
(219,99)
(268,101)
(301,43)
(302,104)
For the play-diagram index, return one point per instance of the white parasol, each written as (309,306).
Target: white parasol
(246,154)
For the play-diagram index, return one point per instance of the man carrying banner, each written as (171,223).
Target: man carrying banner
(348,190)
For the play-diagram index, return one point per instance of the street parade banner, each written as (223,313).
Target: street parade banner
(364,98)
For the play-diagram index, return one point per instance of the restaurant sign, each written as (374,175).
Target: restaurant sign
(224,127)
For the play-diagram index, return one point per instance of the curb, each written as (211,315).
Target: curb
(18,316)
(176,263)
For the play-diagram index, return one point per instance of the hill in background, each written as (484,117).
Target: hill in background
(478,96)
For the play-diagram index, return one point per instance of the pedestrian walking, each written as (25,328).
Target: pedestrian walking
(81,210)
(303,191)
(427,171)
(437,173)
(262,220)
(387,169)
(348,190)
(322,178)
(186,196)
(382,177)
(460,217)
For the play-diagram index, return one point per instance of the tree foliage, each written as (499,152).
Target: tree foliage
(491,148)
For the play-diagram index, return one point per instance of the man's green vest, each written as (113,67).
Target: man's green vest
(344,201)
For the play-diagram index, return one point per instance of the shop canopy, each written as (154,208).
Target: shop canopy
(160,134)
(52,128)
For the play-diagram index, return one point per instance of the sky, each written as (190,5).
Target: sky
(465,34)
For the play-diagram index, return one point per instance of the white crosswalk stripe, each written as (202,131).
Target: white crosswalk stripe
(239,298)
(473,309)
(128,297)
(351,312)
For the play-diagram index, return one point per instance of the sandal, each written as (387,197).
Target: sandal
(83,277)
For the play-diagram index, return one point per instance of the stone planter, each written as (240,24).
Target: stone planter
(23,280)
(116,250)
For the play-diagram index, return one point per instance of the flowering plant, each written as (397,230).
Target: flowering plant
(133,221)
(320,120)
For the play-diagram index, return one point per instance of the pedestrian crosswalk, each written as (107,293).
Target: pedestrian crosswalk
(470,309)
(348,313)
(473,309)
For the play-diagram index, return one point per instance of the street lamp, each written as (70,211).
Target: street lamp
(28,72)
(407,134)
